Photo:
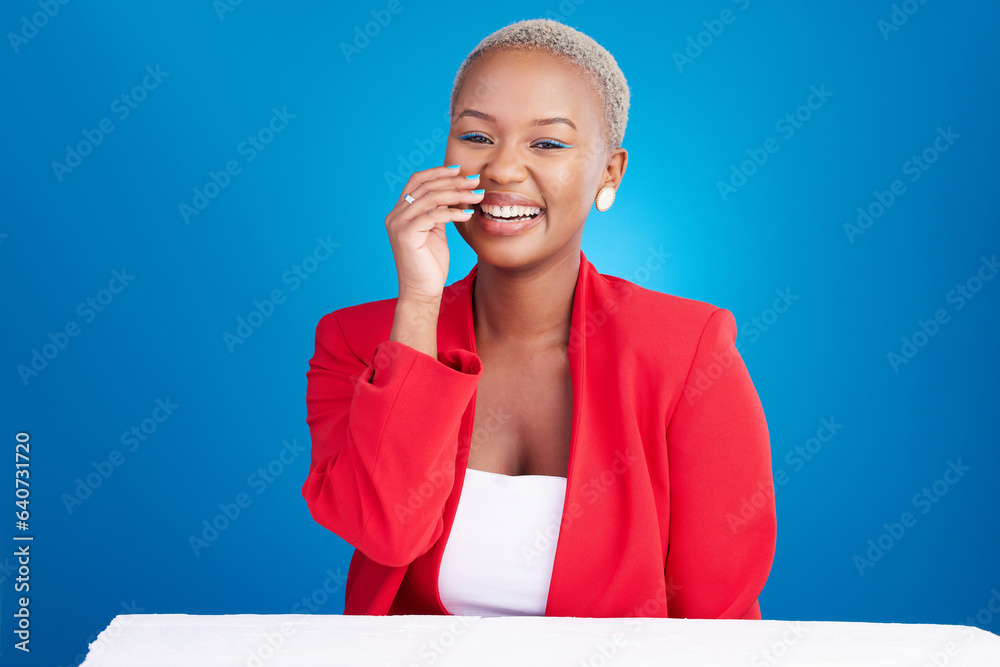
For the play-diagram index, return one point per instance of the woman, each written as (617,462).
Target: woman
(606,442)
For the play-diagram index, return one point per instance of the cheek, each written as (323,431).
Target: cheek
(455,152)
(569,185)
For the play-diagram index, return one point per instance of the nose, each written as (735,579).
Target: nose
(504,164)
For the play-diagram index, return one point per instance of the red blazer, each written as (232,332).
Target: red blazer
(669,507)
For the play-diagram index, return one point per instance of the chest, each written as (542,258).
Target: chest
(524,414)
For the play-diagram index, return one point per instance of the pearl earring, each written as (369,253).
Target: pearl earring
(605,198)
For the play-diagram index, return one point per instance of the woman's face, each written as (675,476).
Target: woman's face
(532,126)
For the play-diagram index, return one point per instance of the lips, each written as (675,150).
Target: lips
(509,199)
(508,207)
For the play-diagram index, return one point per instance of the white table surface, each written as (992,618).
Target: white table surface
(302,640)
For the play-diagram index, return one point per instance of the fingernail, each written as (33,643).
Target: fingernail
(468,210)
(454,166)
(472,176)
(479,192)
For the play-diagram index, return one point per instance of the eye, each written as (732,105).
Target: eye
(470,136)
(551,143)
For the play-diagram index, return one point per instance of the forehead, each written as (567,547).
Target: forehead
(529,84)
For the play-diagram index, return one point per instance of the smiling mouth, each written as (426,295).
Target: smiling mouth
(510,213)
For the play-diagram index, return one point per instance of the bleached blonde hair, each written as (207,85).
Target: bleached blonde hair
(562,40)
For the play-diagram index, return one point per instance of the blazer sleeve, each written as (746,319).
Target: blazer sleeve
(384,436)
(722,510)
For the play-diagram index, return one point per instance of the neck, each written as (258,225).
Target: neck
(525,307)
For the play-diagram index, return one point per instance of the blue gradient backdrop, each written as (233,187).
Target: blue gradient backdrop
(348,122)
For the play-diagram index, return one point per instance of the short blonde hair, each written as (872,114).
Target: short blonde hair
(562,40)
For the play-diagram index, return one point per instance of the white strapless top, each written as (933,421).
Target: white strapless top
(499,555)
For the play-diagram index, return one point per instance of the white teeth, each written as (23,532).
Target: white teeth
(510,211)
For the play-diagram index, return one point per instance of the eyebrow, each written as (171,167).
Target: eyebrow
(540,121)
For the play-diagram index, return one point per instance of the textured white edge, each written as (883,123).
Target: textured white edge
(109,635)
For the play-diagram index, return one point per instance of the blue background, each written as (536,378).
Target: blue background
(126,547)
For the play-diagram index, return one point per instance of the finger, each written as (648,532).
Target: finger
(443,198)
(419,178)
(440,182)
(436,217)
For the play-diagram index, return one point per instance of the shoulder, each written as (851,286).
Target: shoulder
(656,334)
(662,313)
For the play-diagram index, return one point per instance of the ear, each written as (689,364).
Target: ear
(615,169)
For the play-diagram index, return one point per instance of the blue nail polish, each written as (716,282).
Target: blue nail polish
(454,166)
(468,210)
(479,192)
(472,176)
